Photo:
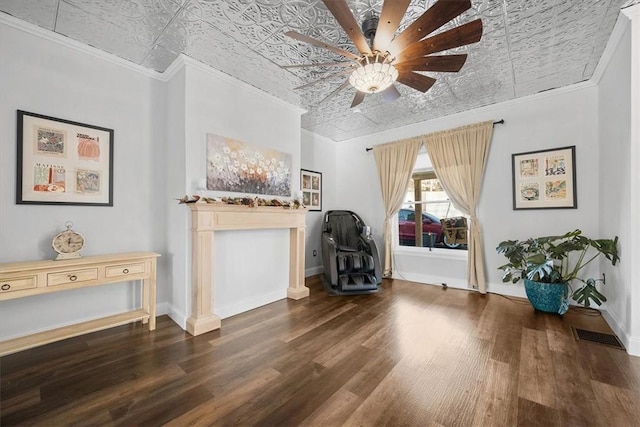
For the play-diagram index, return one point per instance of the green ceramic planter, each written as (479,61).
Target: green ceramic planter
(548,297)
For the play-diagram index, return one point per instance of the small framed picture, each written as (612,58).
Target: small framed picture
(61,162)
(545,179)
(311,187)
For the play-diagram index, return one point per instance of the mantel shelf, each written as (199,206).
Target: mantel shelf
(215,216)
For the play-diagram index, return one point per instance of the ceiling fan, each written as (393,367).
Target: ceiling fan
(383,59)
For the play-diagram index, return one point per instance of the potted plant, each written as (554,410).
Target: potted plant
(549,264)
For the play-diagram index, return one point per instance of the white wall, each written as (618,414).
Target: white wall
(48,74)
(619,184)
(251,268)
(319,155)
(552,119)
(178,219)
(634,248)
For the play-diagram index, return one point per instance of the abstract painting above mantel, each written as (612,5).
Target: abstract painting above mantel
(235,166)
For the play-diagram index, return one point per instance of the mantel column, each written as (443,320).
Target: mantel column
(296,289)
(202,318)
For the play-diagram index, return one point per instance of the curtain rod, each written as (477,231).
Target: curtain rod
(499,122)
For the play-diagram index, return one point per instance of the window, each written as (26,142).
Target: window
(443,226)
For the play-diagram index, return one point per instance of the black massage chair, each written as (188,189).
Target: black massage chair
(349,254)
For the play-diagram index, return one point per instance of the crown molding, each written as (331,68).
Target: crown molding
(54,37)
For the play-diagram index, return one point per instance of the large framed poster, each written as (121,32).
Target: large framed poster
(61,162)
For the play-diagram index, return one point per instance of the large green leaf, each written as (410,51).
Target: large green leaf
(539,272)
(588,293)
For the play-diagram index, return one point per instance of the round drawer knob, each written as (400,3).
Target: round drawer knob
(6,287)
(125,271)
(73,278)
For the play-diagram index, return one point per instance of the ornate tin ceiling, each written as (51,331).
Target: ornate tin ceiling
(528,46)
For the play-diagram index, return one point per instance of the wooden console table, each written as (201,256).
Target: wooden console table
(208,218)
(24,279)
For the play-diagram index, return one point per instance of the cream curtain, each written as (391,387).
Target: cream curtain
(459,157)
(395,162)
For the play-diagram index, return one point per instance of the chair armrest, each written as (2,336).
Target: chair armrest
(372,248)
(329,261)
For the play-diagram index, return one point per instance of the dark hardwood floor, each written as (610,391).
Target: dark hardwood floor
(411,355)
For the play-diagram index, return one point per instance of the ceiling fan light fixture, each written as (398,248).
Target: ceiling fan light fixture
(373,75)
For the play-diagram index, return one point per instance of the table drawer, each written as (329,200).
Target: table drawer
(123,270)
(12,284)
(72,276)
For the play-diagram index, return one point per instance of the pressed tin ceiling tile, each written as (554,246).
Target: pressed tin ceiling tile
(80,25)
(188,35)
(353,121)
(224,11)
(128,9)
(145,19)
(528,46)
(39,12)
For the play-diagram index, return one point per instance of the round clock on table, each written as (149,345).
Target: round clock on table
(68,243)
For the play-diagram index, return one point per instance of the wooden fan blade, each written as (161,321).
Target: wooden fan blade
(435,17)
(320,64)
(468,33)
(390,17)
(338,89)
(358,98)
(318,43)
(324,78)
(417,81)
(444,63)
(390,94)
(340,10)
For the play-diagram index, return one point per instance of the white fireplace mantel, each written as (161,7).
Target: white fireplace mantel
(205,220)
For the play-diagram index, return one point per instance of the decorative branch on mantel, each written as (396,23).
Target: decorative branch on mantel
(243,201)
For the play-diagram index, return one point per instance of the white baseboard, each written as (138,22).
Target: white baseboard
(313,271)
(162,308)
(177,316)
(509,289)
(452,282)
(632,344)
(224,311)
(456,283)
(249,303)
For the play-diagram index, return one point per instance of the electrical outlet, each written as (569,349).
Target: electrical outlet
(315,252)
